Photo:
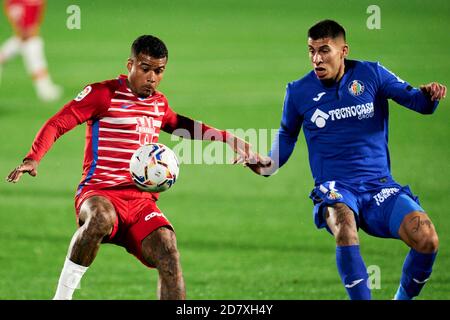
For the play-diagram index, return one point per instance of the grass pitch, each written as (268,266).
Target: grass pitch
(240,236)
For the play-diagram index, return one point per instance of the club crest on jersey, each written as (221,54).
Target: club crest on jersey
(83,93)
(334,195)
(356,88)
(146,130)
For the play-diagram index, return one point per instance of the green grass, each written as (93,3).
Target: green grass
(240,236)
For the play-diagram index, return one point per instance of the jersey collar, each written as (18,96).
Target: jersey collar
(348,71)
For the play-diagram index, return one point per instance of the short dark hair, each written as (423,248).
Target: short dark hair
(326,29)
(149,45)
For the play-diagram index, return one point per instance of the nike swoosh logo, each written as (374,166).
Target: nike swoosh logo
(420,282)
(354,283)
(125,106)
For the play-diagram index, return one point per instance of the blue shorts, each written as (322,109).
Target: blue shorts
(379,210)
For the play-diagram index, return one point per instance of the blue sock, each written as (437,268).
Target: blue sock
(353,272)
(416,271)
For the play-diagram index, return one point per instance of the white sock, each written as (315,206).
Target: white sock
(36,65)
(33,55)
(9,49)
(69,280)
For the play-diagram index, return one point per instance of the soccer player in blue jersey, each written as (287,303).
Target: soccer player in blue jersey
(342,106)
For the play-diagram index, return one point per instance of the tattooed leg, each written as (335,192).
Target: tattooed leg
(160,249)
(96,219)
(341,221)
(418,232)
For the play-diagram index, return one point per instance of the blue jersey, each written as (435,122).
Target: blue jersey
(345,124)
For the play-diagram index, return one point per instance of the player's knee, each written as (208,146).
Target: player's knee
(28,33)
(418,231)
(346,237)
(101,224)
(428,243)
(100,215)
(168,251)
(161,248)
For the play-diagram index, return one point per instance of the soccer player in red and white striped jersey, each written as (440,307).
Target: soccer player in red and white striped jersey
(121,115)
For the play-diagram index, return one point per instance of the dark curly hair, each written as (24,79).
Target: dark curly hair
(149,45)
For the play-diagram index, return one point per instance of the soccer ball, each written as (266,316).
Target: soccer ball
(154,167)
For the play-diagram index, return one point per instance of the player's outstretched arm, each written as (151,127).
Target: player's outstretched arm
(28,165)
(87,105)
(241,147)
(434,90)
(185,127)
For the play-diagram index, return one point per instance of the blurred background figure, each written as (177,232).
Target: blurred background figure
(25,17)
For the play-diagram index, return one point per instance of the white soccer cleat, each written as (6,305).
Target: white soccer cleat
(49,93)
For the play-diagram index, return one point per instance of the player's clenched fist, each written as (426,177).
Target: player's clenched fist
(28,165)
(435,90)
(261,165)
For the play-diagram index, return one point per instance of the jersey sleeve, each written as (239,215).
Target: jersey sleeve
(392,87)
(185,127)
(286,138)
(169,121)
(89,104)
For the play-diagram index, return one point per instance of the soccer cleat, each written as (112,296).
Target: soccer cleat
(401,294)
(49,93)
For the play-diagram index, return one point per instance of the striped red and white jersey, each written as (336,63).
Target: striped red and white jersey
(118,123)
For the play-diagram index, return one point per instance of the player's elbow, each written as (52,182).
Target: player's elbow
(428,111)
